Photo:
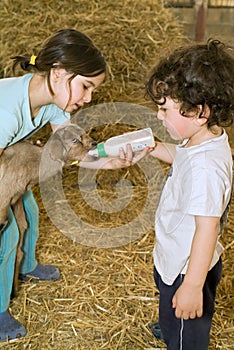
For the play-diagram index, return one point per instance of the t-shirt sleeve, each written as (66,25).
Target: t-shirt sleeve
(208,192)
(58,116)
(8,128)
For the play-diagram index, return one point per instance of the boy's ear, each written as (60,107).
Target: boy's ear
(202,115)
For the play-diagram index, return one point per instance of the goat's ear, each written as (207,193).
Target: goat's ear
(56,148)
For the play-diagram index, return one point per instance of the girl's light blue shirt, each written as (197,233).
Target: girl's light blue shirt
(16,122)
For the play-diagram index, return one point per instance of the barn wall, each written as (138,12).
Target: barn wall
(219,22)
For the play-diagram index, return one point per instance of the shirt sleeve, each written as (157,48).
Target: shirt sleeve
(58,116)
(207,193)
(8,128)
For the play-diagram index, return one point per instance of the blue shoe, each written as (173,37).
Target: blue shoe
(156,330)
(41,273)
(10,328)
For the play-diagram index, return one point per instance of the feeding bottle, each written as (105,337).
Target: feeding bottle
(138,139)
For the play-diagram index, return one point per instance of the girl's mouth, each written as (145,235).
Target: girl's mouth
(76,107)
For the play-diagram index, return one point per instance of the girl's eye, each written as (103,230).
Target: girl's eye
(85,87)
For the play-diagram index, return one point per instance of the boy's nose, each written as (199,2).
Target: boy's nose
(160,115)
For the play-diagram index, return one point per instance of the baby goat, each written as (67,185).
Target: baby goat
(19,172)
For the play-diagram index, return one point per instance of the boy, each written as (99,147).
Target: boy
(194,90)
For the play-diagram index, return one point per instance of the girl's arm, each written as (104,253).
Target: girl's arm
(163,151)
(123,161)
(54,127)
(188,299)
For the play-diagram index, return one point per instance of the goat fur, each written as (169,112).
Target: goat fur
(21,166)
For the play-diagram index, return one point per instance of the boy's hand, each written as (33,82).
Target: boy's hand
(188,302)
(188,299)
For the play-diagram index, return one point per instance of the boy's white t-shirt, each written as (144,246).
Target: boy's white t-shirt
(200,184)
(16,122)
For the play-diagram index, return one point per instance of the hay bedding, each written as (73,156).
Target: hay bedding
(130,35)
(106,297)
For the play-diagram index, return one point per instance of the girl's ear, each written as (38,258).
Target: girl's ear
(202,115)
(55,73)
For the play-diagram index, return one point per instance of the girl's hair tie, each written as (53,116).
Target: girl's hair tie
(32,60)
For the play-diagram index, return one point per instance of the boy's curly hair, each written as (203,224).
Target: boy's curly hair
(200,74)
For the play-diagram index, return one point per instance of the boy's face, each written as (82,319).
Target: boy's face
(177,126)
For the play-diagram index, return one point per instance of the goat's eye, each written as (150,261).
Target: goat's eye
(75,140)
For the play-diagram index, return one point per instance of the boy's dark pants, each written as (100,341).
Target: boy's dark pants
(192,334)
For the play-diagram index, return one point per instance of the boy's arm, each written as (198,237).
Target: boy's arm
(164,151)
(188,299)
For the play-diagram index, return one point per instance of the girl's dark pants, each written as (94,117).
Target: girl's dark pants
(192,334)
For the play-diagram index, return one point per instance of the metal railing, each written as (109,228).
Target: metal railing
(191,3)
(221,3)
(179,3)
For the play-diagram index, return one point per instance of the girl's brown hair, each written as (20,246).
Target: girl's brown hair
(68,49)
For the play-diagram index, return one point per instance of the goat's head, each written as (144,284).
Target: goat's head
(71,143)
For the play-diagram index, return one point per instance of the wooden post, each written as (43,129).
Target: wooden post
(200,24)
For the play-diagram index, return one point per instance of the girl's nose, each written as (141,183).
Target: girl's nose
(88,97)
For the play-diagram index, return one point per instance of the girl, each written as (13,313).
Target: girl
(66,71)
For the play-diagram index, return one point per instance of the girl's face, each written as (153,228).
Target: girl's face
(178,127)
(71,96)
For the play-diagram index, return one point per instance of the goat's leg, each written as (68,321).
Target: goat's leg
(20,217)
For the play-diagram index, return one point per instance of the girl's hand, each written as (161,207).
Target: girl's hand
(127,159)
(188,302)
(124,160)
(37,143)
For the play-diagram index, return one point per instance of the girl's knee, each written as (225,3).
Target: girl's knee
(9,237)
(30,204)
